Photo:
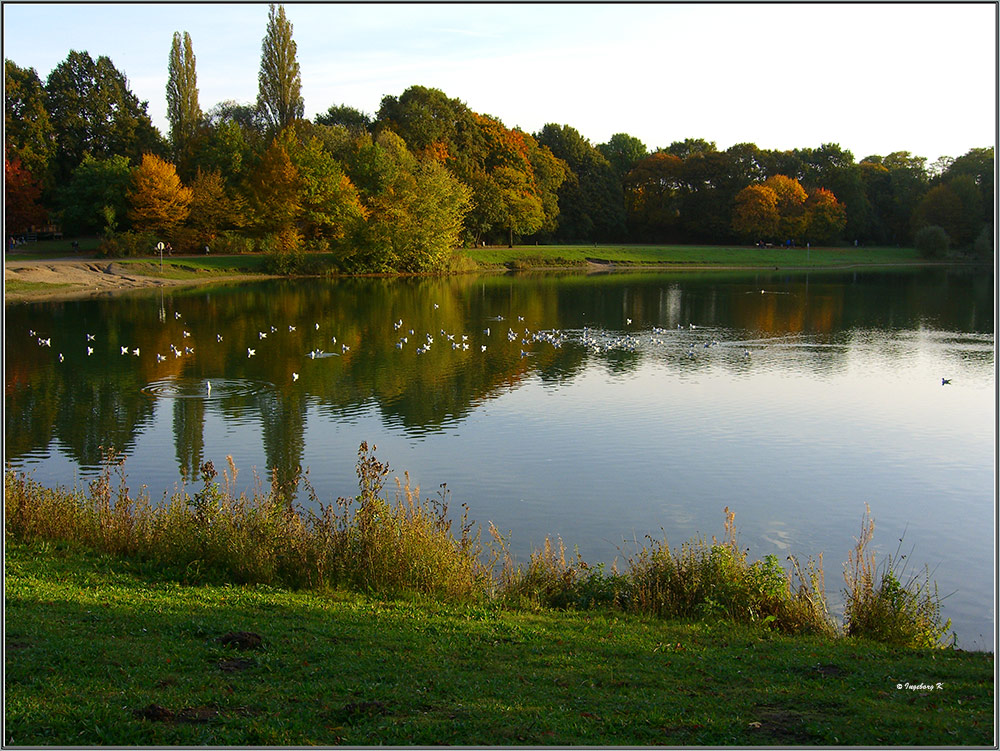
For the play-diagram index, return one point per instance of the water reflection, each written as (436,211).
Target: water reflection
(480,337)
(602,408)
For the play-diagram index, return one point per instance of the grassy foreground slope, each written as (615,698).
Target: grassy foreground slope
(104,651)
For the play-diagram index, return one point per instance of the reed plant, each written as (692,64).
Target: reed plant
(216,534)
(386,547)
(882,603)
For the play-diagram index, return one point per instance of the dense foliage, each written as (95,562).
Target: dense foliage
(401,189)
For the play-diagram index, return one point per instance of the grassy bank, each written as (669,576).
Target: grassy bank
(542,256)
(679,256)
(106,651)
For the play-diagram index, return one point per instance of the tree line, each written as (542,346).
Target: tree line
(401,189)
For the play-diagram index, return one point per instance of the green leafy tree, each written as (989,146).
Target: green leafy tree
(979,164)
(591,204)
(414,207)
(907,186)
(93,112)
(690,146)
(225,146)
(280,81)
(341,114)
(549,174)
(623,152)
(28,134)
(423,116)
(877,185)
(330,204)
(653,198)
(955,206)
(94,196)
(183,111)
(932,241)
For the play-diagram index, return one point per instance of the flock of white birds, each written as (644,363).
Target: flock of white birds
(595,340)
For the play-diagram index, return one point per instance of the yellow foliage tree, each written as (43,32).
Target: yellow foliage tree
(791,206)
(158,201)
(826,216)
(755,215)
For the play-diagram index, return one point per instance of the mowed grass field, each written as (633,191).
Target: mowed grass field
(538,255)
(692,255)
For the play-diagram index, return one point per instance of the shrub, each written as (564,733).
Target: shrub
(983,247)
(932,241)
(701,580)
(128,244)
(231,243)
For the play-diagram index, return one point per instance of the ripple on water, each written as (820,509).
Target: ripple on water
(206,388)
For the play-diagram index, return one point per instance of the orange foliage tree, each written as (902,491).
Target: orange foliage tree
(158,202)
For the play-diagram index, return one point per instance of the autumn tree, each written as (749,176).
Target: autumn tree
(21,207)
(755,215)
(791,197)
(183,111)
(158,201)
(826,217)
(212,207)
(275,196)
(279,96)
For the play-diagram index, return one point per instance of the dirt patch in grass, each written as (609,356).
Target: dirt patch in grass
(69,278)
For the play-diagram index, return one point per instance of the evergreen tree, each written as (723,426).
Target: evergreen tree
(279,97)
(183,111)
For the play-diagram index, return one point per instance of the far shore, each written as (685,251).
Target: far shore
(45,276)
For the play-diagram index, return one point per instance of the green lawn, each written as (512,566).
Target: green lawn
(692,254)
(101,651)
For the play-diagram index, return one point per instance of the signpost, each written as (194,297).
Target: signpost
(160,246)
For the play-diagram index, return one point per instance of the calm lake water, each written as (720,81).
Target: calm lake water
(602,409)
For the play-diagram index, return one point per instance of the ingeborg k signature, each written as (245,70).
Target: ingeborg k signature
(920,686)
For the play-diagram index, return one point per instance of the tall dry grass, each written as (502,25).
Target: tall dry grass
(386,546)
(880,605)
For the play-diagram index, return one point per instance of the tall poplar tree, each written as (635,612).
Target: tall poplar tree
(279,97)
(183,111)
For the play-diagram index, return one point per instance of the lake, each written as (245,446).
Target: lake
(599,409)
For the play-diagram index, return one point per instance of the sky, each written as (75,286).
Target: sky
(873,78)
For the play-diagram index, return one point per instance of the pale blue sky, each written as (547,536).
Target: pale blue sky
(874,78)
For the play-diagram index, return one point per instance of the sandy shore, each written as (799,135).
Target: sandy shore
(75,278)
